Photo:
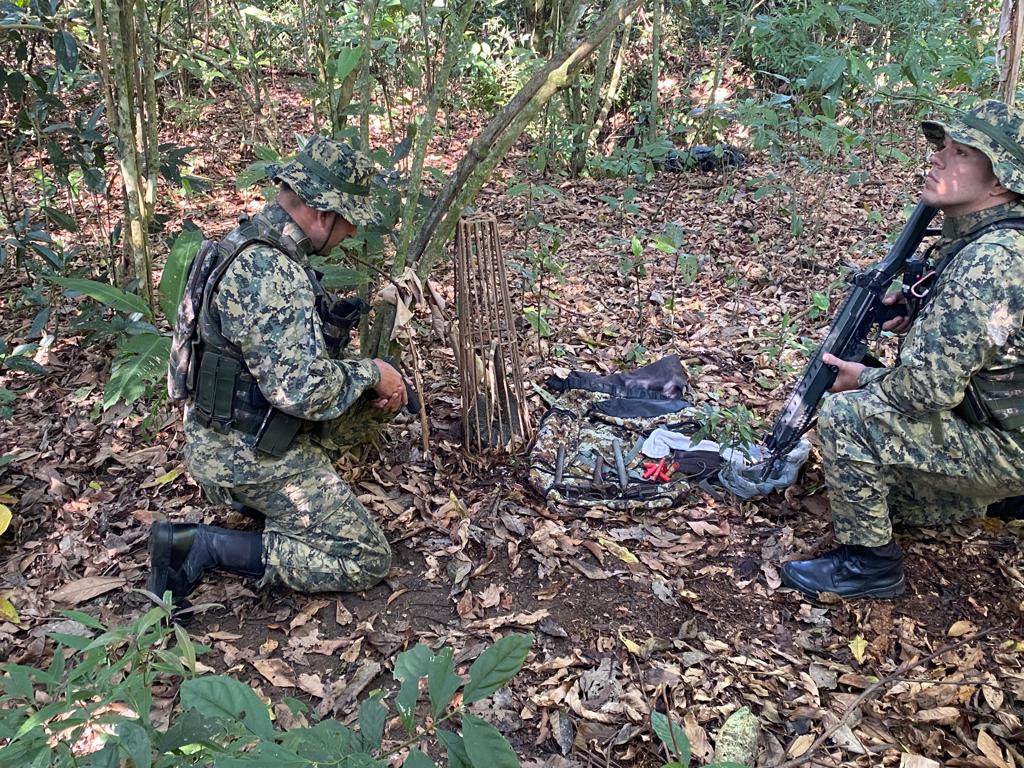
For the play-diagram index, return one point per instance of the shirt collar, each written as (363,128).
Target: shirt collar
(955,227)
(276,217)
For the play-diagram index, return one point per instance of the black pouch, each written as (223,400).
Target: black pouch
(972,409)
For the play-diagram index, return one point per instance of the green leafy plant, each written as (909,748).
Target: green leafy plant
(736,427)
(17,359)
(142,351)
(677,743)
(93,705)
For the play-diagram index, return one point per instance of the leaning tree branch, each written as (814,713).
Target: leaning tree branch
(567,59)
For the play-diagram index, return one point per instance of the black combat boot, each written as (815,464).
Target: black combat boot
(1007,509)
(849,571)
(180,554)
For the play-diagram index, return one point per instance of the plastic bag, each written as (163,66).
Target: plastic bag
(742,475)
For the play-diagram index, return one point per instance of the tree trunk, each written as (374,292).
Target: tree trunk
(613,84)
(652,123)
(581,143)
(131,141)
(1008,48)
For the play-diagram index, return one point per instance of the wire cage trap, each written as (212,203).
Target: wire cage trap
(494,415)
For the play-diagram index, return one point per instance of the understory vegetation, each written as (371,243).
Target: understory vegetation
(688,176)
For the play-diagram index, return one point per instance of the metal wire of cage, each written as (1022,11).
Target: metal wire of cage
(494,415)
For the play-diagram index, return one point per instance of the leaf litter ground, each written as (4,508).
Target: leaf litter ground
(679,610)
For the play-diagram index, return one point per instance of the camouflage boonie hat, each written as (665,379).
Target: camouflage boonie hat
(331,176)
(992,127)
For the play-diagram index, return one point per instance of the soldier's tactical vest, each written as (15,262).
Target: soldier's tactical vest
(208,369)
(994,396)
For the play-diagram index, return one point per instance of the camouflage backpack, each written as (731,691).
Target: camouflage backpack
(588,447)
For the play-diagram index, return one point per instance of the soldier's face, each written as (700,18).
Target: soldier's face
(961,180)
(332,230)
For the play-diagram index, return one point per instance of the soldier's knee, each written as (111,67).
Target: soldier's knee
(373,566)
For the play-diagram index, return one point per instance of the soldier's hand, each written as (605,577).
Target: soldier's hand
(848,373)
(897,324)
(390,390)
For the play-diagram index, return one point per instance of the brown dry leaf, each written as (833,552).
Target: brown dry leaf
(940,715)
(988,747)
(517,619)
(353,651)
(916,761)
(551,591)
(269,646)
(961,628)
(277,672)
(77,592)
(800,745)
(342,615)
(307,613)
(465,607)
(993,696)
(312,684)
(217,635)
(702,528)
(491,596)
(396,594)
(592,572)
(771,576)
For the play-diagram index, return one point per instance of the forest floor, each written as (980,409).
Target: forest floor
(696,622)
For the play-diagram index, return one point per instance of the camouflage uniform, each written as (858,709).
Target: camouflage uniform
(318,537)
(895,446)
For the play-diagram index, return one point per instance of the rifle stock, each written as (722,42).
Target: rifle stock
(847,338)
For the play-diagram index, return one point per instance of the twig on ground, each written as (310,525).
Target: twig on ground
(872,690)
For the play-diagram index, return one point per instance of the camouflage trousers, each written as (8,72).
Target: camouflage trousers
(317,537)
(883,466)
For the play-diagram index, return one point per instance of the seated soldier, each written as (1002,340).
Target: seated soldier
(265,382)
(938,437)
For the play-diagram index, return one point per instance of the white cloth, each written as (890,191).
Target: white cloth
(661,442)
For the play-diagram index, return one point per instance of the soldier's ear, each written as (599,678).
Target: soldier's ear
(998,190)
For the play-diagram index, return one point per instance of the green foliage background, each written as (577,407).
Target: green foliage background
(829,85)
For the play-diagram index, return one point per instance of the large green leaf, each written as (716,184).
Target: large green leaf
(346,61)
(140,361)
(456,746)
(412,664)
(442,682)
(105,294)
(65,47)
(672,736)
(225,698)
(417,759)
(496,666)
(172,281)
(372,716)
(24,364)
(133,739)
(60,218)
(485,746)
(251,174)
(338,278)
